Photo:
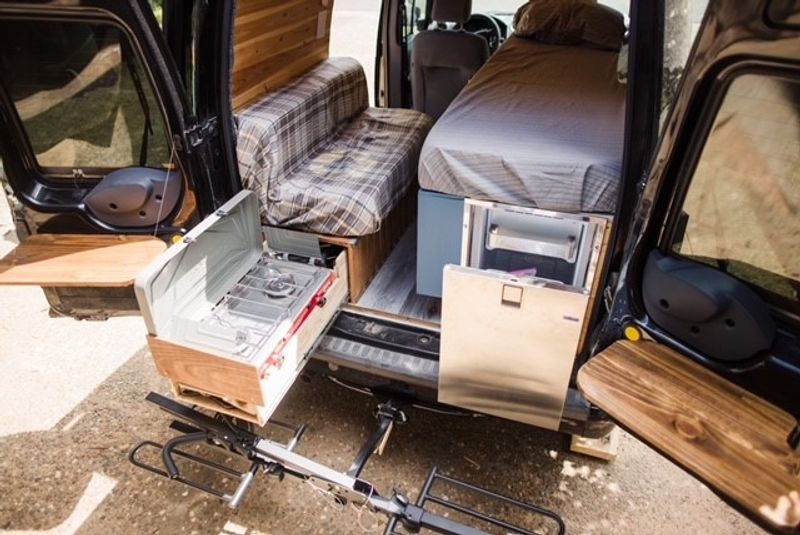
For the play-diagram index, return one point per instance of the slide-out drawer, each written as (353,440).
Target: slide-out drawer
(250,390)
(231,322)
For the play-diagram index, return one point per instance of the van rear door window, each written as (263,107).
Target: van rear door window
(742,204)
(82,95)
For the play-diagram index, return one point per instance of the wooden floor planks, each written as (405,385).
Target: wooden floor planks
(393,289)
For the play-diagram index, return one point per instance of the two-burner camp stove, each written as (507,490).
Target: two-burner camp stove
(274,294)
(231,324)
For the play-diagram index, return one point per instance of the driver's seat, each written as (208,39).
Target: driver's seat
(442,60)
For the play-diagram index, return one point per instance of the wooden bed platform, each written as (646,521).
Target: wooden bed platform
(731,440)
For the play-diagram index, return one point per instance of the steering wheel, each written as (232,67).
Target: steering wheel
(487,27)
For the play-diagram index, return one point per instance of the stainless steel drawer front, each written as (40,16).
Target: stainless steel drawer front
(508,345)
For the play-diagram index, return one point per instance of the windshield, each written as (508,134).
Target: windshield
(509,7)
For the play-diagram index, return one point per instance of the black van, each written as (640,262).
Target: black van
(521,231)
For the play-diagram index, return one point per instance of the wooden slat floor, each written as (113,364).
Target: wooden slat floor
(393,289)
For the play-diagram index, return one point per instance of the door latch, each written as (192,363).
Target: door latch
(199,133)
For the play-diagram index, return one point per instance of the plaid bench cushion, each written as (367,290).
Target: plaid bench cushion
(320,160)
(352,183)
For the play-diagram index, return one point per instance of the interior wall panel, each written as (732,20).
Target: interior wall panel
(274,42)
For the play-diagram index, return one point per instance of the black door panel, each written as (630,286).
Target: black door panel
(135,197)
(90,88)
(711,267)
(97,137)
(709,310)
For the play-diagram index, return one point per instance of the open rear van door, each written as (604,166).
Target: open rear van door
(708,304)
(101,154)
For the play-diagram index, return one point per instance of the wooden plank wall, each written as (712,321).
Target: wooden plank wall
(274,42)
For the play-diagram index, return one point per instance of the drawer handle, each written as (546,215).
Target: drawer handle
(564,249)
(511,296)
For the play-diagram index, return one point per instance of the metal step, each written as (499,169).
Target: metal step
(398,349)
(385,348)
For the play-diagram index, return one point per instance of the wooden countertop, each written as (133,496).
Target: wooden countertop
(733,441)
(79,260)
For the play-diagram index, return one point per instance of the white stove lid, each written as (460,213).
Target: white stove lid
(195,273)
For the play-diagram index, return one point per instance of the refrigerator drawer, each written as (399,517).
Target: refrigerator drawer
(531,242)
(508,344)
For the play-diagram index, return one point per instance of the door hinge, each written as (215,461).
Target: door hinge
(640,187)
(200,133)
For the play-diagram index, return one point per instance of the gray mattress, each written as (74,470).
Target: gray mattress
(539,125)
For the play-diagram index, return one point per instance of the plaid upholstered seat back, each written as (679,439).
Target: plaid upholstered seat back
(320,160)
(282,130)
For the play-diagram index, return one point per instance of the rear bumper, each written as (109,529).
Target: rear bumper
(391,358)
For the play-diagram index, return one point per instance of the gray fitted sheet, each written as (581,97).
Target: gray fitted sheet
(539,125)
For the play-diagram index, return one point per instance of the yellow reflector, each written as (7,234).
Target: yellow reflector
(177,238)
(632,333)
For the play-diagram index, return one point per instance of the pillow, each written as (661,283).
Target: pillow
(571,22)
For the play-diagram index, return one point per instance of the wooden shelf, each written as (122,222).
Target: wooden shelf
(733,441)
(78,260)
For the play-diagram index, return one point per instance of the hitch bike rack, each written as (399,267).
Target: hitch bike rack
(277,459)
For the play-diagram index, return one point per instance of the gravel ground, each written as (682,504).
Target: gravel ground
(43,475)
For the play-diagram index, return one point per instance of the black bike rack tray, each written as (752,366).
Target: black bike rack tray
(484,521)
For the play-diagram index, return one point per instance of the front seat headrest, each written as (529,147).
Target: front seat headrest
(457,11)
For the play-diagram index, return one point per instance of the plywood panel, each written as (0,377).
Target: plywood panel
(207,372)
(600,250)
(366,254)
(77,260)
(733,441)
(276,41)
